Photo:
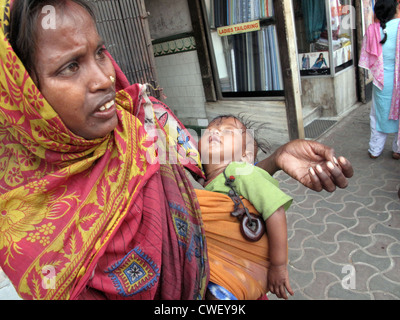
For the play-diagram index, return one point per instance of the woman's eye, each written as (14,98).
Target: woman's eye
(70,69)
(101,53)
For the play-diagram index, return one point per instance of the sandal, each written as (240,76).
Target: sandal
(396,156)
(372,157)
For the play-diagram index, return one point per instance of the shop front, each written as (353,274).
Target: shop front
(283,63)
(327,56)
(253,63)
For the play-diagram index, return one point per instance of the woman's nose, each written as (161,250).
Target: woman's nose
(100,80)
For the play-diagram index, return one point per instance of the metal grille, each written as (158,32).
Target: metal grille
(124,27)
(317,128)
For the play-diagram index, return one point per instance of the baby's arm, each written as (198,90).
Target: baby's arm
(278,277)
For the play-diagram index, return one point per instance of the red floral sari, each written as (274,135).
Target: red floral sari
(103,218)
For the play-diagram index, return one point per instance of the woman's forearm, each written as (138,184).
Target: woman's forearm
(269,164)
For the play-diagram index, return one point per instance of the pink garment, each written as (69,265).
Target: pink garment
(395,108)
(371,58)
(371,54)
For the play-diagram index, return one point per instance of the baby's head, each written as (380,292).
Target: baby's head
(228,138)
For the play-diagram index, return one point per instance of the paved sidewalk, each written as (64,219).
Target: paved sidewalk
(346,244)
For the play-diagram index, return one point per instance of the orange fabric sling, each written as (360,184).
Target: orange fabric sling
(236,264)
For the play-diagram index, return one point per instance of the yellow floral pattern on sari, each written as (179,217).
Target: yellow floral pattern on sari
(61,197)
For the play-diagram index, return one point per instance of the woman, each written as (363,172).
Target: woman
(92,205)
(83,203)
(380,53)
(319,62)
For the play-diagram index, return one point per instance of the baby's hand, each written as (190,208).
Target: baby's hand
(278,281)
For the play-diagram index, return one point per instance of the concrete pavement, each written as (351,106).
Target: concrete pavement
(346,244)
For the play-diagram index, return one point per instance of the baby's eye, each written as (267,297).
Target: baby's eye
(227,132)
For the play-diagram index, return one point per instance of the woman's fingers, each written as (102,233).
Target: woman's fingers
(346,166)
(341,172)
(334,175)
(317,186)
(325,179)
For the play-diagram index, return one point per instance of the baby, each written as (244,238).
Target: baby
(228,151)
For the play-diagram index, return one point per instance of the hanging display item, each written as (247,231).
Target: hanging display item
(313,63)
(324,35)
(245,47)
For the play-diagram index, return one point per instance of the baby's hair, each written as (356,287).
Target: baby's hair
(252,127)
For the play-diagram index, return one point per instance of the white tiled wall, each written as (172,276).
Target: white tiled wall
(179,75)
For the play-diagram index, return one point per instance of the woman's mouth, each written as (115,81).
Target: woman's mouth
(107,106)
(106,111)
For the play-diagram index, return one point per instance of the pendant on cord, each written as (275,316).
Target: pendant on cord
(252,226)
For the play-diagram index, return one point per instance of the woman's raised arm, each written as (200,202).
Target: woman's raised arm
(311,163)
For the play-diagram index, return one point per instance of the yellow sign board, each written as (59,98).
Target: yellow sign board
(239,28)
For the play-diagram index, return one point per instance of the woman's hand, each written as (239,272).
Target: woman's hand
(311,163)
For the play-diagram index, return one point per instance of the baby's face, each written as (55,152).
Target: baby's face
(224,141)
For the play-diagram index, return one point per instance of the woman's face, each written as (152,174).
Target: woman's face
(75,75)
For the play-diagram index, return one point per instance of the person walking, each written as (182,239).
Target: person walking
(380,54)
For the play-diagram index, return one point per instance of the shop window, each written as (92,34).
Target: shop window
(244,41)
(324,35)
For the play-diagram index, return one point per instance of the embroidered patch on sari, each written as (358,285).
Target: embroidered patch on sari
(134,273)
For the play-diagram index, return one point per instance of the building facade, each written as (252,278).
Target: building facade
(285,64)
